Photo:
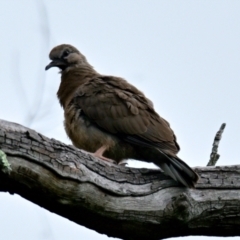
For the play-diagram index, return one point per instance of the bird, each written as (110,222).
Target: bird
(113,120)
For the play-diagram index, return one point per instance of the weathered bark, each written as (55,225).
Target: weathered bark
(118,201)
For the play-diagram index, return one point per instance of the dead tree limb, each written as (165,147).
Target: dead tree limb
(214,156)
(120,202)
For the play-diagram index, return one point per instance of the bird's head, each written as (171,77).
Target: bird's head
(66,56)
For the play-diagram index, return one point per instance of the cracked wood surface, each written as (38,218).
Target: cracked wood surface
(121,202)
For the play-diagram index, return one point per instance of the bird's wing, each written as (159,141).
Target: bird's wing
(119,108)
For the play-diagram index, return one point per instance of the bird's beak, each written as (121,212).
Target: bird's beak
(56,63)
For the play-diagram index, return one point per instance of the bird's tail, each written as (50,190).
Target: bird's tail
(179,171)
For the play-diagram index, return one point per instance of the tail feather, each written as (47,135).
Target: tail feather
(179,177)
(179,171)
(168,171)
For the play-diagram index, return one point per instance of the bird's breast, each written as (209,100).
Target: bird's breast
(83,133)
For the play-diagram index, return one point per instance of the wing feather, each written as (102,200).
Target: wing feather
(118,107)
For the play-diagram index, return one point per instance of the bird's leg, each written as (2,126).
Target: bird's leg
(99,153)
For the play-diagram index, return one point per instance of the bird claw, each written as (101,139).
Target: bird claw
(103,158)
(123,163)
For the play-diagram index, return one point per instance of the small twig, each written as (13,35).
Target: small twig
(214,156)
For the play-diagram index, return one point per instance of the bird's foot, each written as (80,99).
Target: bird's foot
(123,163)
(104,158)
(99,154)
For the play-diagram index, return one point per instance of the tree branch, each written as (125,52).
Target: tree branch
(118,201)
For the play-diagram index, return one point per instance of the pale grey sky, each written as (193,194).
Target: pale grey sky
(184,55)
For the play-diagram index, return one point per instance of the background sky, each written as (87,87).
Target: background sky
(184,55)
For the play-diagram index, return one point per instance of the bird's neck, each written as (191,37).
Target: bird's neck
(70,81)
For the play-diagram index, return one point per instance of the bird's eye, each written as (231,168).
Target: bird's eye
(65,53)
